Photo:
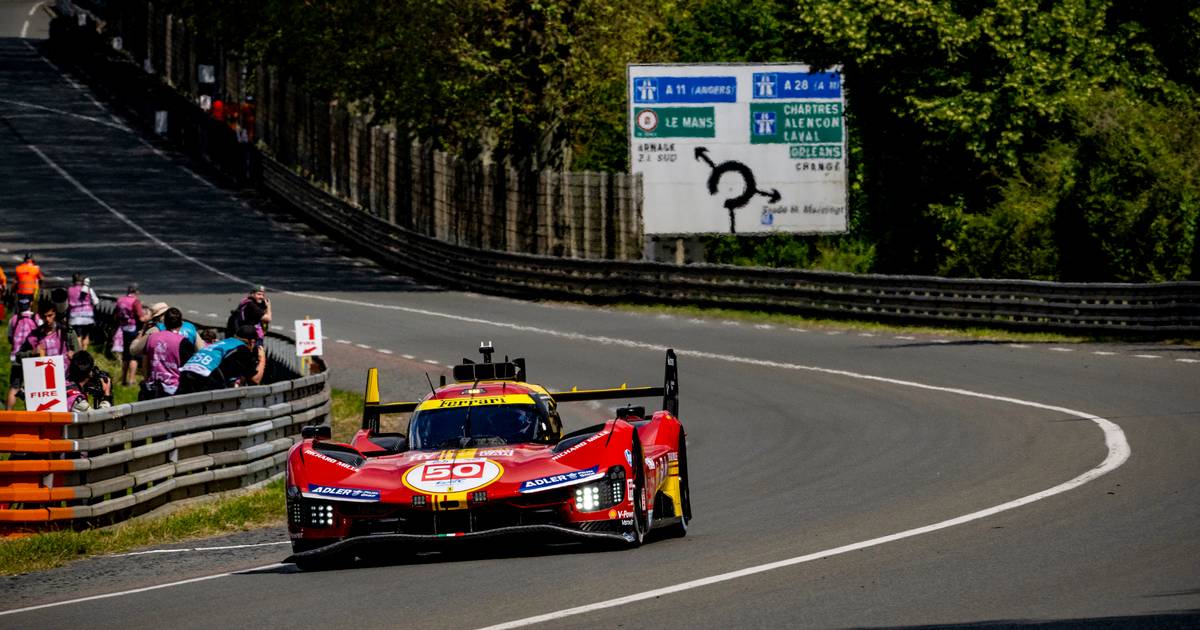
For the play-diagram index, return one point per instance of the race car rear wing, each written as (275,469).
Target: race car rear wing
(373,408)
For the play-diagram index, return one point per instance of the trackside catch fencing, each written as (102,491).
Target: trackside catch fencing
(74,470)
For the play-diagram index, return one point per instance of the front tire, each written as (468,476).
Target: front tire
(636,534)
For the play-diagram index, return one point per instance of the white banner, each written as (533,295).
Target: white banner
(308,338)
(45,384)
(739,148)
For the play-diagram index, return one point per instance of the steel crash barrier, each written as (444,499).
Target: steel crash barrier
(74,470)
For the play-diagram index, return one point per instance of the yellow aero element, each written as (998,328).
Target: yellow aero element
(372,394)
(449,403)
(671,487)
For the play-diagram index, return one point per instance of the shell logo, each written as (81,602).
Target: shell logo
(452,475)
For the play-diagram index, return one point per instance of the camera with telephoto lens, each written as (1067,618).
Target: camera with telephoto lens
(94,389)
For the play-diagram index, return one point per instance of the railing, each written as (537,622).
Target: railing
(108,465)
(1166,308)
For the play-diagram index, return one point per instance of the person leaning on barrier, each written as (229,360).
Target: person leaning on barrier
(167,350)
(157,314)
(88,387)
(230,362)
(137,347)
(208,337)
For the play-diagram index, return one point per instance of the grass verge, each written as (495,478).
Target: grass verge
(121,394)
(253,509)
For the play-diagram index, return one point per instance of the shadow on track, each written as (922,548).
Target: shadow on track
(1189,618)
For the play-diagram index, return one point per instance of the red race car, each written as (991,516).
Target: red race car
(486,457)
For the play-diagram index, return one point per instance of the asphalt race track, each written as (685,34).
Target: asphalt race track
(1062,482)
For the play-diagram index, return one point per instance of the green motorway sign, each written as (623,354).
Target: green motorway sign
(796,123)
(675,122)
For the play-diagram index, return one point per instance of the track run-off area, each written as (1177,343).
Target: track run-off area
(838,479)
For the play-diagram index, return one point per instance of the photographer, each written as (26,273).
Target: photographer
(254,310)
(231,362)
(51,339)
(166,351)
(88,387)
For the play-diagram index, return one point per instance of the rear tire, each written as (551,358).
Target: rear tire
(679,529)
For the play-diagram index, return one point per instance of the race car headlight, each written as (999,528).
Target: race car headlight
(320,515)
(603,494)
(587,498)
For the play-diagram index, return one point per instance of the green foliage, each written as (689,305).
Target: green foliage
(976,146)
(1132,212)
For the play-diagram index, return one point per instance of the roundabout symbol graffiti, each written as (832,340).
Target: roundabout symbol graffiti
(747,175)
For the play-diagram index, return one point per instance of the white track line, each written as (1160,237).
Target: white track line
(60,112)
(1114,437)
(127,221)
(25,26)
(137,590)
(192,549)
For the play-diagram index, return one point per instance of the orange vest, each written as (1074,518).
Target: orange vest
(27,277)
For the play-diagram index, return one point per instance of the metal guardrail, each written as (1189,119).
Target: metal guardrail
(108,465)
(1160,309)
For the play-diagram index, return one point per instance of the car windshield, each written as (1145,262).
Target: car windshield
(477,425)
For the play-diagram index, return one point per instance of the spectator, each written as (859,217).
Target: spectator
(51,339)
(228,363)
(254,310)
(81,314)
(128,314)
(166,351)
(208,337)
(188,330)
(155,314)
(84,381)
(23,323)
(29,277)
(3,293)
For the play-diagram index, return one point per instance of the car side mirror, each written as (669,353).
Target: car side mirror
(321,432)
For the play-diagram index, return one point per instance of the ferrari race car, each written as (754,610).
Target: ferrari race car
(486,457)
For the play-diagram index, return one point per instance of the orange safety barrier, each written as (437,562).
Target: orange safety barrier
(35,432)
(30,481)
